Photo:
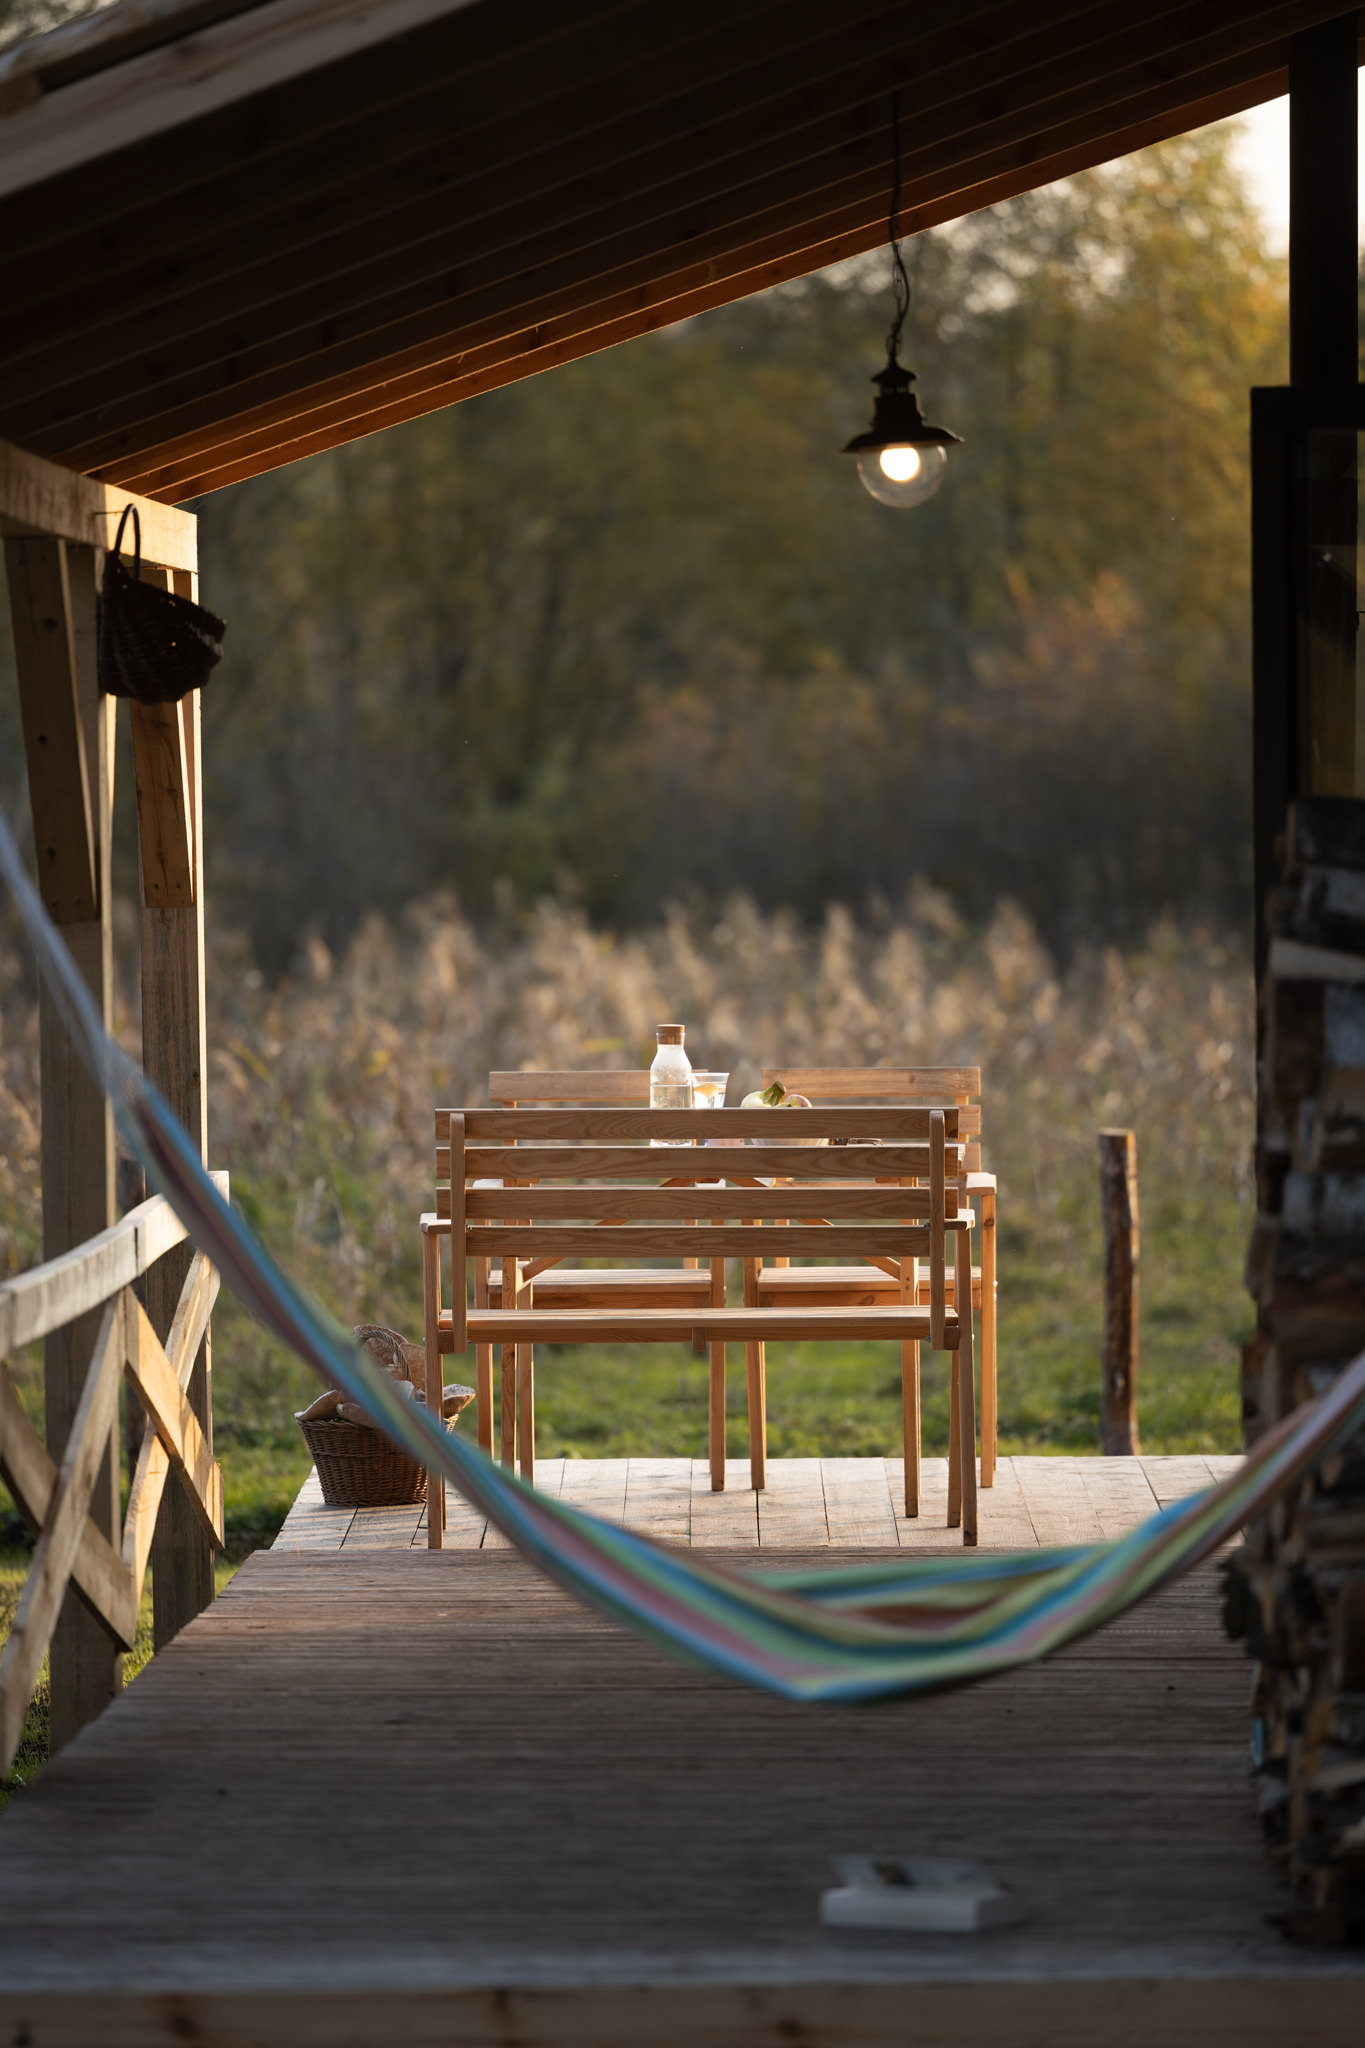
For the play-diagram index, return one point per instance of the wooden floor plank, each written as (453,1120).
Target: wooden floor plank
(858,1506)
(409,1795)
(851,1503)
(791,1508)
(382,1528)
(729,1518)
(1058,1506)
(1118,1490)
(659,1498)
(929,1529)
(1005,1520)
(1221,1467)
(310,1523)
(1174,1478)
(598,1485)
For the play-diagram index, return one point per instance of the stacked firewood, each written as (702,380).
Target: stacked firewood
(1298,1592)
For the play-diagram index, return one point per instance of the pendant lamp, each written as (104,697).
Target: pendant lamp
(902,457)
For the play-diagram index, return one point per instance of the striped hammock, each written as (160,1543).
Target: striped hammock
(862,1632)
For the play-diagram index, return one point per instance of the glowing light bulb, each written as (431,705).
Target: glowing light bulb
(900,464)
(901,474)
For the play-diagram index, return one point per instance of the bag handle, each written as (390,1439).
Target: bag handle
(137,539)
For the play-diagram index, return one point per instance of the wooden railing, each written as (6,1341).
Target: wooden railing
(54,1499)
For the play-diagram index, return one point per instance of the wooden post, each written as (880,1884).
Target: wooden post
(1323,204)
(68,741)
(1119,1207)
(167,769)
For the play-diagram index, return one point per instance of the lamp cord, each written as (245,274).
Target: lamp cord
(900,282)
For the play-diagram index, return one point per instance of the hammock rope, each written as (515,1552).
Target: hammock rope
(851,1634)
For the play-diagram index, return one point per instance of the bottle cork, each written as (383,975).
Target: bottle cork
(670,1034)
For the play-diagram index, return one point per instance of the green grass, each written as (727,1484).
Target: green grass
(845,1401)
(261,1476)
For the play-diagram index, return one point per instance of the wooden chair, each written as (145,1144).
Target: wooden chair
(581,1169)
(781,1285)
(569,1286)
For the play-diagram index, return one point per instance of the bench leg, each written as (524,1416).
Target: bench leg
(483,1389)
(526,1406)
(954,1453)
(989,1394)
(966,1431)
(509,1406)
(910,1414)
(483,1365)
(715,1422)
(431,1294)
(756,1362)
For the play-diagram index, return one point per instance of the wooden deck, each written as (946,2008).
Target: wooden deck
(809,1504)
(389,1795)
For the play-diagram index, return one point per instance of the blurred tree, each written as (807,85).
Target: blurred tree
(631,629)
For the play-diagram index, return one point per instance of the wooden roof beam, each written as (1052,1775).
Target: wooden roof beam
(643,257)
(254,110)
(491,107)
(552,343)
(165,87)
(538,152)
(667,160)
(38,497)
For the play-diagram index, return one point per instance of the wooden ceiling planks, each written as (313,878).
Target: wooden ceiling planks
(508,184)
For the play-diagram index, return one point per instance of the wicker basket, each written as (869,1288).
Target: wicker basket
(360,1468)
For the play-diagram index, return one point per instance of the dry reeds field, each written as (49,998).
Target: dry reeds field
(322,1089)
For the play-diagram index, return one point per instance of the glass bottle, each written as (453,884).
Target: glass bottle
(670,1077)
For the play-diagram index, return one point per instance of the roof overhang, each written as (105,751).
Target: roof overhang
(239,233)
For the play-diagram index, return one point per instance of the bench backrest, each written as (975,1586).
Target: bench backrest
(629,1086)
(579,1169)
(960,1086)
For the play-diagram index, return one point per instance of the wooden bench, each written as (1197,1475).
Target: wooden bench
(888,1187)
(574,1286)
(781,1285)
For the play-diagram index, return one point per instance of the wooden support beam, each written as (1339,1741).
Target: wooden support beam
(55,1501)
(64,824)
(174,1054)
(84,1278)
(1324,319)
(1119,1207)
(98,1571)
(161,775)
(69,735)
(82,1468)
(174,1420)
(153,1464)
(46,499)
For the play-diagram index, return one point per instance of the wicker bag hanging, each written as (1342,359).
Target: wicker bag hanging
(153,645)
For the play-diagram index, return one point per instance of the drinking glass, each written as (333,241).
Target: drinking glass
(708,1090)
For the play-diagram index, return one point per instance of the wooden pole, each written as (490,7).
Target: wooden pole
(168,769)
(1323,205)
(68,740)
(1119,1208)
